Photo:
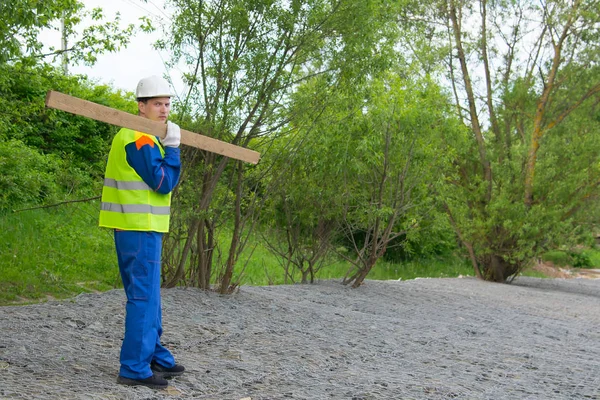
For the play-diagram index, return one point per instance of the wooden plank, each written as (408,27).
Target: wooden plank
(98,112)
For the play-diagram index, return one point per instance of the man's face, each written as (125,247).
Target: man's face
(156,109)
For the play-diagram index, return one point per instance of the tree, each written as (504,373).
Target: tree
(245,59)
(300,245)
(23,20)
(391,178)
(302,213)
(539,80)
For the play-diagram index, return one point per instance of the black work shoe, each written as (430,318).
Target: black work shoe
(154,382)
(165,372)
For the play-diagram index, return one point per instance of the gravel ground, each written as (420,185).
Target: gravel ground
(418,339)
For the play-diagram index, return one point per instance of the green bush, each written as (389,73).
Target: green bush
(27,176)
(573,258)
(48,155)
(580,259)
(83,141)
(559,258)
(593,255)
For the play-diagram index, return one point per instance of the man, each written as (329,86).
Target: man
(140,174)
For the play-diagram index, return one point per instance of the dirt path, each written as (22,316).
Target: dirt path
(419,339)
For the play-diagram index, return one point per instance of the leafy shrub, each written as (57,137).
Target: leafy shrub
(559,258)
(85,142)
(27,176)
(573,258)
(594,256)
(580,259)
(47,154)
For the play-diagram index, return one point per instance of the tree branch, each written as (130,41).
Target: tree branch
(58,204)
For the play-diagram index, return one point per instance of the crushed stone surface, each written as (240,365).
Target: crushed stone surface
(455,338)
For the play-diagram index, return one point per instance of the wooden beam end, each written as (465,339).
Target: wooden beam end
(49,97)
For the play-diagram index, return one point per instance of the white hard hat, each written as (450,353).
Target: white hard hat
(153,86)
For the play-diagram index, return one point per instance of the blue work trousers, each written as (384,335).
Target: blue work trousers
(139,263)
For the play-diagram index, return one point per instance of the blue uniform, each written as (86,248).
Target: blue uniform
(139,256)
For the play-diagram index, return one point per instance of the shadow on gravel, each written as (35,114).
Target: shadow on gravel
(580,286)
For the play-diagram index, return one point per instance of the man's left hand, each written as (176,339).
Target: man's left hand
(173,137)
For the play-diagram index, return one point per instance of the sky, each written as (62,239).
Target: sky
(125,68)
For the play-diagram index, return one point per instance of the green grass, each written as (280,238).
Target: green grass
(262,268)
(57,252)
(61,252)
(586,258)
(589,258)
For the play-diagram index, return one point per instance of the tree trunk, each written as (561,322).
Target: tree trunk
(488,80)
(538,129)
(497,269)
(206,246)
(362,275)
(475,125)
(179,273)
(235,237)
(467,245)
(305,273)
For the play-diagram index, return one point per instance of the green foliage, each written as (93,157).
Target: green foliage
(580,258)
(47,154)
(254,53)
(354,131)
(556,257)
(362,160)
(567,172)
(594,256)
(28,177)
(529,182)
(24,20)
(434,238)
(244,59)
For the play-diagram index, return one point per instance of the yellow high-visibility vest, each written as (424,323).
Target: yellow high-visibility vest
(128,203)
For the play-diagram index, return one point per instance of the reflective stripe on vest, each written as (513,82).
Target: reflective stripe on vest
(126,185)
(128,203)
(135,208)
